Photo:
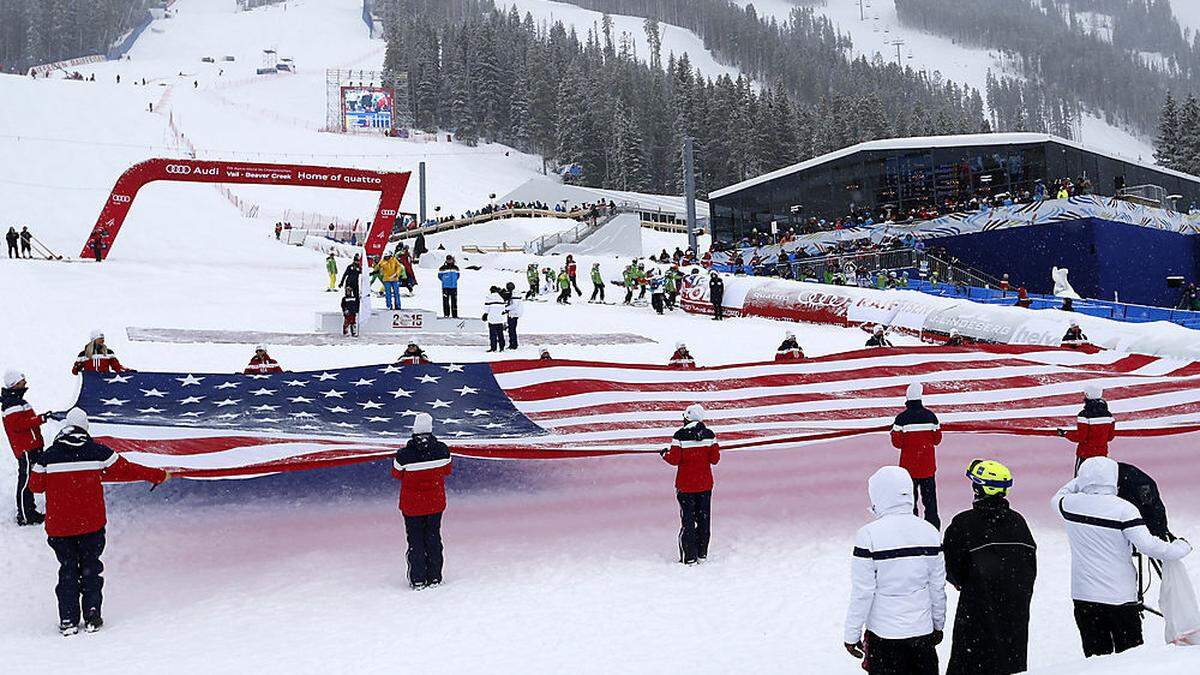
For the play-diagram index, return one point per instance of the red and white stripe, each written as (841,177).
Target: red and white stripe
(594,408)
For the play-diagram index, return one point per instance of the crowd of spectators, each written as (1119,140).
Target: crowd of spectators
(929,210)
(591,209)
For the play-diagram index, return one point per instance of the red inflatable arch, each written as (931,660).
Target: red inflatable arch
(389,185)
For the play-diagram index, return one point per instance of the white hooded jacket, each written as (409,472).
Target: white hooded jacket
(898,574)
(494,308)
(1103,529)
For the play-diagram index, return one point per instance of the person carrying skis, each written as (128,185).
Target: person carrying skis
(1103,530)
(350,313)
(261,363)
(23,427)
(694,449)
(352,274)
(97,357)
(71,473)
(11,237)
(564,287)
(421,466)
(916,433)
(1094,426)
(531,275)
(413,356)
(878,338)
(898,584)
(572,271)
(991,559)
(597,283)
(448,274)
(682,358)
(789,349)
(332,268)
(716,295)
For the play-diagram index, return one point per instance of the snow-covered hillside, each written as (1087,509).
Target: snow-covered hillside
(564,566)
(877,29)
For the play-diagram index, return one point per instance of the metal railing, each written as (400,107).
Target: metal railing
(850,264)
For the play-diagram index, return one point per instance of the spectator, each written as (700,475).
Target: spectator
(262,363)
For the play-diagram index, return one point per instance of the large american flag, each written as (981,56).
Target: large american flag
(227,425)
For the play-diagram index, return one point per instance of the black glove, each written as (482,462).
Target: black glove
(937,637)
(662,453)
(1061,432)
(855,649)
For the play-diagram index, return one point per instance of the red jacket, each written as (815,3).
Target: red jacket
(261,365)
(1094,428)
(407,359)
(916,433)
(421,467)
(789,351)
(682,359)
(694,449)
(105,362)
(71,472)
(21,423)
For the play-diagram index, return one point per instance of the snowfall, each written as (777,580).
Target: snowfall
(552,566)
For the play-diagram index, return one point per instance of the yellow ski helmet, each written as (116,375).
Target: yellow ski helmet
(991,477)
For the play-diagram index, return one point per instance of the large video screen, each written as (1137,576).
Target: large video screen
(366,108)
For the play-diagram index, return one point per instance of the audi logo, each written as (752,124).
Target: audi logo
(387,213)
(179,169)
(121,199)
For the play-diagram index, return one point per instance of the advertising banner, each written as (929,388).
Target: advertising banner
(933,316)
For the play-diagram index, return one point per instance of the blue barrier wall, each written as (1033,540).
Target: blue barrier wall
(1103,257)
(119,49)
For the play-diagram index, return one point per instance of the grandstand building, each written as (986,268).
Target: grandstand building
(899,176)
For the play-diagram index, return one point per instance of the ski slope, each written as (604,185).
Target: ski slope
(878,28)
(551,566)
(675,40)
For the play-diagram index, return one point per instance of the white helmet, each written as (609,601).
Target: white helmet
(694,413)
(1092,391)
(680,345)
(914,392)
(96,334)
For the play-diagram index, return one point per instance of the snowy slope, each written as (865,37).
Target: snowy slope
(878,32)
(1188,13)
(675,40)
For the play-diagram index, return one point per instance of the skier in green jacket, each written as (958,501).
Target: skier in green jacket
(331,267)
(597,283)
(531,275)
(564,287)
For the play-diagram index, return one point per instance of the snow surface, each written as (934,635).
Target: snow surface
(956,61)
(675,40)
(551,566)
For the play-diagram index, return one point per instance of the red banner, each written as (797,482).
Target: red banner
(389,185)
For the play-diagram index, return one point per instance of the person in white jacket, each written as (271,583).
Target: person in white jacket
(1103,530)
(898,581)
(495,314)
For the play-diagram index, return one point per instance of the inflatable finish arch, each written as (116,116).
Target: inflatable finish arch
(390,185)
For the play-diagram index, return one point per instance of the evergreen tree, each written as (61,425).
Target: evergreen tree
(1166,146)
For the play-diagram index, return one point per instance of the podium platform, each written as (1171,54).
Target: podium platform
(401,322)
